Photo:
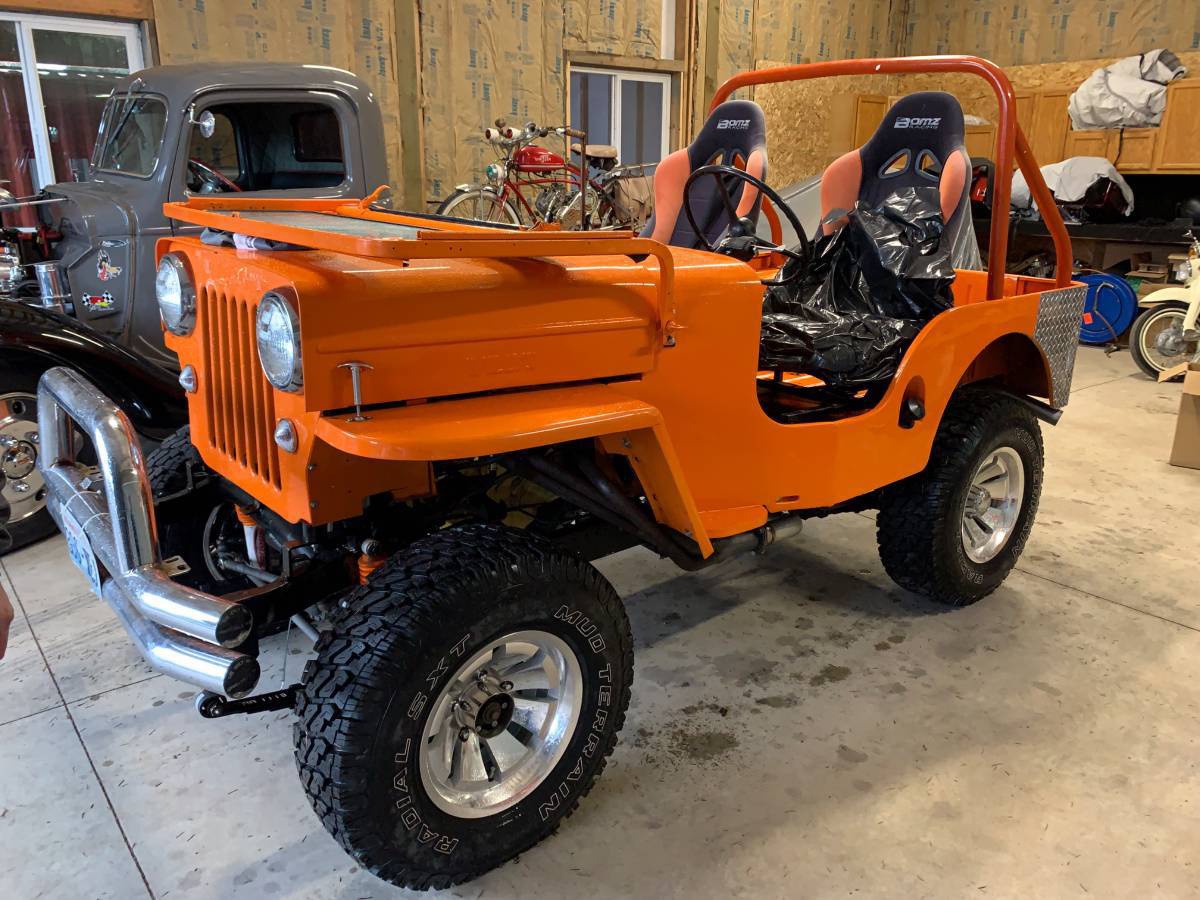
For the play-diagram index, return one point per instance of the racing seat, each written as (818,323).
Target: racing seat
(919,143)
(734,135)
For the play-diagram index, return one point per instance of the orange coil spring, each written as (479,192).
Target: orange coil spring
(368,563)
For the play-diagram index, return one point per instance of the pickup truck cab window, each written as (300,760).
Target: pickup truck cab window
(260,146)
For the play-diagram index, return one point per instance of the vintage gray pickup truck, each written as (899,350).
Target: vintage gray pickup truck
(79,257)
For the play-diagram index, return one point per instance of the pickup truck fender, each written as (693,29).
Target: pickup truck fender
(40,338)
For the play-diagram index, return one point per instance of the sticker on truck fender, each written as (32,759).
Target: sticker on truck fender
(98,302)
(105,270)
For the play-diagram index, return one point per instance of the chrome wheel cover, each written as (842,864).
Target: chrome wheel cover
(501,724)
(992,504)
(24,488)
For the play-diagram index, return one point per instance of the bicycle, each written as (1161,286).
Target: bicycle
(523,167)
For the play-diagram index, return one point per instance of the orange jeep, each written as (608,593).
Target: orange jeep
(409,433)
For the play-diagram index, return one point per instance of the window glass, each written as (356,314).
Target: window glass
(220,151)
(134,130)
(77,72)
(641,121)
(627,109)
(270,146)
(316,137)
(17,166)
(591,105)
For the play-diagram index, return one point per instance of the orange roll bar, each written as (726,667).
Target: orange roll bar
(1010,143)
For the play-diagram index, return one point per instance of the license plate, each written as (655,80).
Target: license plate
(79,548)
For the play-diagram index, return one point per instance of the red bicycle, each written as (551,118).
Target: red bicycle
(530,184)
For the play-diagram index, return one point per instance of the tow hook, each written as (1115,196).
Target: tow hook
(215,706)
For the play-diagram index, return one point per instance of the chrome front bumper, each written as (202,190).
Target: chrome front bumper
(180,631)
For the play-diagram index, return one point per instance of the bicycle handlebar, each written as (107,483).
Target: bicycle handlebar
(508,136)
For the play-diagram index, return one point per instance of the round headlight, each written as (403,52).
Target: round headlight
(278,335)
(176,295)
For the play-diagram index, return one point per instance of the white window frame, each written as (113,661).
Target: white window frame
(620,76)
(26,25)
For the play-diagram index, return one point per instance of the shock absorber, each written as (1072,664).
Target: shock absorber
(370,559)
(254,554)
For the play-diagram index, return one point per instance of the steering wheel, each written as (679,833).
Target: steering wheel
(210,178)
(741,239)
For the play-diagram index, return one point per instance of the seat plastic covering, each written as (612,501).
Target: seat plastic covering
(734,135)
(919,142)
(895,214)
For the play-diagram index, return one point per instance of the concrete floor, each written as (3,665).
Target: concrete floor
(799,726)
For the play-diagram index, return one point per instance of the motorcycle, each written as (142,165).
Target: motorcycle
(1164,336)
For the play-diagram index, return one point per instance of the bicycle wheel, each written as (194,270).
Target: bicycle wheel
(479,204)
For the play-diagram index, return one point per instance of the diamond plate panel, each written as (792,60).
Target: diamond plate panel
(1057,333)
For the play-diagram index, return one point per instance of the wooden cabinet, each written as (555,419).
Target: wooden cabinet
(1172,148)
(980,141)
(1132,150)
(1178,146)
(868,115)
(1049,124)
(1086,143)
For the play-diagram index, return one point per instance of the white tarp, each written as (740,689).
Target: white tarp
(1069,181)
(1130,93)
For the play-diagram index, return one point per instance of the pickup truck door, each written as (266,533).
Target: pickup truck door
(276,143)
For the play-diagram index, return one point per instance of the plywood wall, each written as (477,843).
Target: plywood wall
(489,59)
(483,59)
(796,31)
(357,35)
(804,118)
(1021,32)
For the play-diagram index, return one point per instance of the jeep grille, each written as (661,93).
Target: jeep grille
(240,402)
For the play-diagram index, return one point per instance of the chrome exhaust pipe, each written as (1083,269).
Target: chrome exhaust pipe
(196,662)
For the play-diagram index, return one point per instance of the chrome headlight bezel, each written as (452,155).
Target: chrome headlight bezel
(289,376)
(183,320)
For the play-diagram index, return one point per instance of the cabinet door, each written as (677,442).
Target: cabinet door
(1050,126)
(1178,144)
(1088,143)
(1025,103)
(868,115)
(981,141)
(1134,149)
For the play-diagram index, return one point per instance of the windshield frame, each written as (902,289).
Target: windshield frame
(116,105)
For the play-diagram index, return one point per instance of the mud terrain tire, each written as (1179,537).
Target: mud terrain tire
(919,526)
(385,669)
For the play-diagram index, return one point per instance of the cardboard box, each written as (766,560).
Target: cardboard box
(1186,449)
